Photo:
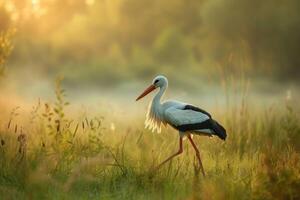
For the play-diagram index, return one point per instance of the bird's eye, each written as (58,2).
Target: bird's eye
(156,81)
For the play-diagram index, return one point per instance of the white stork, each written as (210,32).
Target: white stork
(185,118)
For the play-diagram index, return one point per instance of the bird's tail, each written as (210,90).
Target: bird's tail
(219,130)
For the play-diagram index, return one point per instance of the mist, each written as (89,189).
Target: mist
(117,47)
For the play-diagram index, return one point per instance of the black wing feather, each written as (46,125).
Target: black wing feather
(194,108)
(211,124)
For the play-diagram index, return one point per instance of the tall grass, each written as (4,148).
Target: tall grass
(62,156)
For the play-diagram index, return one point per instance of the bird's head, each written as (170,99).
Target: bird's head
(159,81)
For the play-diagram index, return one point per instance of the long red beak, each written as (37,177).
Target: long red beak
(147,91)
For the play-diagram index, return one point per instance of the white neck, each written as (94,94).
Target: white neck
(156,100)
(155,111)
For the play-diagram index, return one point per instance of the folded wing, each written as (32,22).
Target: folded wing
(193,120)
(178,117)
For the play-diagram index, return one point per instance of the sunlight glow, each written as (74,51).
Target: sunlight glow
(35,3)
(9,6)
(38,11)
(89,2)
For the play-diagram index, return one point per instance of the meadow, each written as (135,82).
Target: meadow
(84,138)
(50,153)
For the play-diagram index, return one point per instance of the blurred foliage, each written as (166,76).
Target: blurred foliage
(109,41)
(5,48)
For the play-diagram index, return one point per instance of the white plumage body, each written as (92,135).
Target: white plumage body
(173,113)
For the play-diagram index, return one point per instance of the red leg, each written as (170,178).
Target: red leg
(172,156)
(197,153)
